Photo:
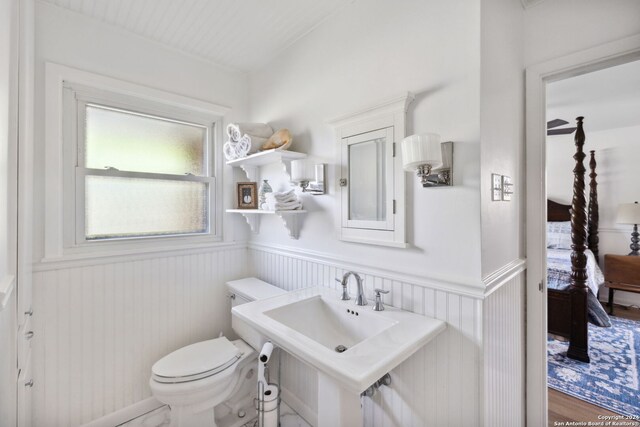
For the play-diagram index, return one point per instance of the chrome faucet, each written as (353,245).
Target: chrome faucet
(360,298)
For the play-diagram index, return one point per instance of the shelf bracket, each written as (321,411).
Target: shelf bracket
(253,221)
(292,222)
(251,172)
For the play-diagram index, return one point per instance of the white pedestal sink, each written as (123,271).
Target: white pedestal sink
(313,322)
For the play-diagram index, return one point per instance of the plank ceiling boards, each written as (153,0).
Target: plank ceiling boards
(238,34)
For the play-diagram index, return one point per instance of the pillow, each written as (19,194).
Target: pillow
(559,235)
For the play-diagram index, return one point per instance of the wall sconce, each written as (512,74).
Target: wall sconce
(629,213)
(429,158)
(309,176)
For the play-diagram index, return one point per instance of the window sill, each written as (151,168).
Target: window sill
(79,257)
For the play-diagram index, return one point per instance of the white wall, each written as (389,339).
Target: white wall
(6,62)
(8,211)
(370,51)
(86,362)
(617,152)
(501,130)
(560,27)
(73,40)
(366,53)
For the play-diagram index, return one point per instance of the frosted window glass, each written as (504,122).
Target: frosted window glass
(138,143)
(128,207)
(367,193)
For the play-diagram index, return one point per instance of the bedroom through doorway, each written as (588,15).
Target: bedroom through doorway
(592,150)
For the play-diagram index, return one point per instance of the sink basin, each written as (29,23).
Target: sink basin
(312,323)
(333,325)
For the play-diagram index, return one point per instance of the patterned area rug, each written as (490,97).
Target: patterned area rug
(612,379)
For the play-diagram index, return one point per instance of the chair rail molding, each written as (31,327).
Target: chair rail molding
(503,275)
(479,289)
(133,255)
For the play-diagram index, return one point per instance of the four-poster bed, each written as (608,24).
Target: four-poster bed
(573,286)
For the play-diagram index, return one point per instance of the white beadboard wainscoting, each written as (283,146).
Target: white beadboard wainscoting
(504,355)
(444,383)
(99,328)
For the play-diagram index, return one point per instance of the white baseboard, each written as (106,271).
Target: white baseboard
(151,404)
(126,414)
(299,406)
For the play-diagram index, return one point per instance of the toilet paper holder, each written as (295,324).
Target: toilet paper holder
(267,403)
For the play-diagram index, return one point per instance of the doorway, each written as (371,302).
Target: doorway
(538,78)
(609,101)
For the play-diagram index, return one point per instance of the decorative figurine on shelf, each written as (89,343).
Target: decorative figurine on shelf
(262,194)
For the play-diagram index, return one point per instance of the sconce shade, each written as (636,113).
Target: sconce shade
(421,149)
(302,170)
(629,213)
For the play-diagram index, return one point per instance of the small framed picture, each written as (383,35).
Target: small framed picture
(247,195)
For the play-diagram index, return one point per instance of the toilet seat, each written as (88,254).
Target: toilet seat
(196,361)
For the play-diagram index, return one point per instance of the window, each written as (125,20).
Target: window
(140,169)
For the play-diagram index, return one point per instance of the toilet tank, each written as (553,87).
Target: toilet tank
(251,289)
(246,290)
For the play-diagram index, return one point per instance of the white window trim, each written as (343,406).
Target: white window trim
(60,179)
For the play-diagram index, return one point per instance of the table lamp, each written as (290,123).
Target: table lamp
(629,213)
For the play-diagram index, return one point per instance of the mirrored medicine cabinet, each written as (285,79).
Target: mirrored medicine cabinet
(371,181)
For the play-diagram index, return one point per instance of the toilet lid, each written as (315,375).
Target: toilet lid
(196,361)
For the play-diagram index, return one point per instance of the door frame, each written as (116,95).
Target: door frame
(25,150)
(537,76)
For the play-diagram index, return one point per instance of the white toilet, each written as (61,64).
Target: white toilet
(212,382)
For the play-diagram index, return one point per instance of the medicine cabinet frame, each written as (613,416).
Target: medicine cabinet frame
(385,120)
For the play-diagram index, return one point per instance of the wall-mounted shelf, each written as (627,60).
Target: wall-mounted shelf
(292,219)
(250,164)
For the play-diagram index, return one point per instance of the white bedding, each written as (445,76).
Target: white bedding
(559,266)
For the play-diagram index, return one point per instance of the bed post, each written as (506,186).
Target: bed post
(593,215)
(579,340)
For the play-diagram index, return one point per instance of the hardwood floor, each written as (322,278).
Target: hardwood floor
(563,408)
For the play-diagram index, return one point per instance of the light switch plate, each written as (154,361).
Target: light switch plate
(507,188)
(496,187)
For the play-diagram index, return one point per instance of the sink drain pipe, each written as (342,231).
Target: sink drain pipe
(371,391)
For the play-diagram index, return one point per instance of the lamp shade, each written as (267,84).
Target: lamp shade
(629,213)
(302,170)
(421,149)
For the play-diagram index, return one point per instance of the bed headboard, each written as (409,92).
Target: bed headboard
(557,211)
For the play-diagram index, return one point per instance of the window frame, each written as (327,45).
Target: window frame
(62,226)
(76,99)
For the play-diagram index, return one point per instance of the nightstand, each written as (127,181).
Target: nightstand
(621,273)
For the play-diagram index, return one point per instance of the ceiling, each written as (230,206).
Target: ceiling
(608,99)
(238,34)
